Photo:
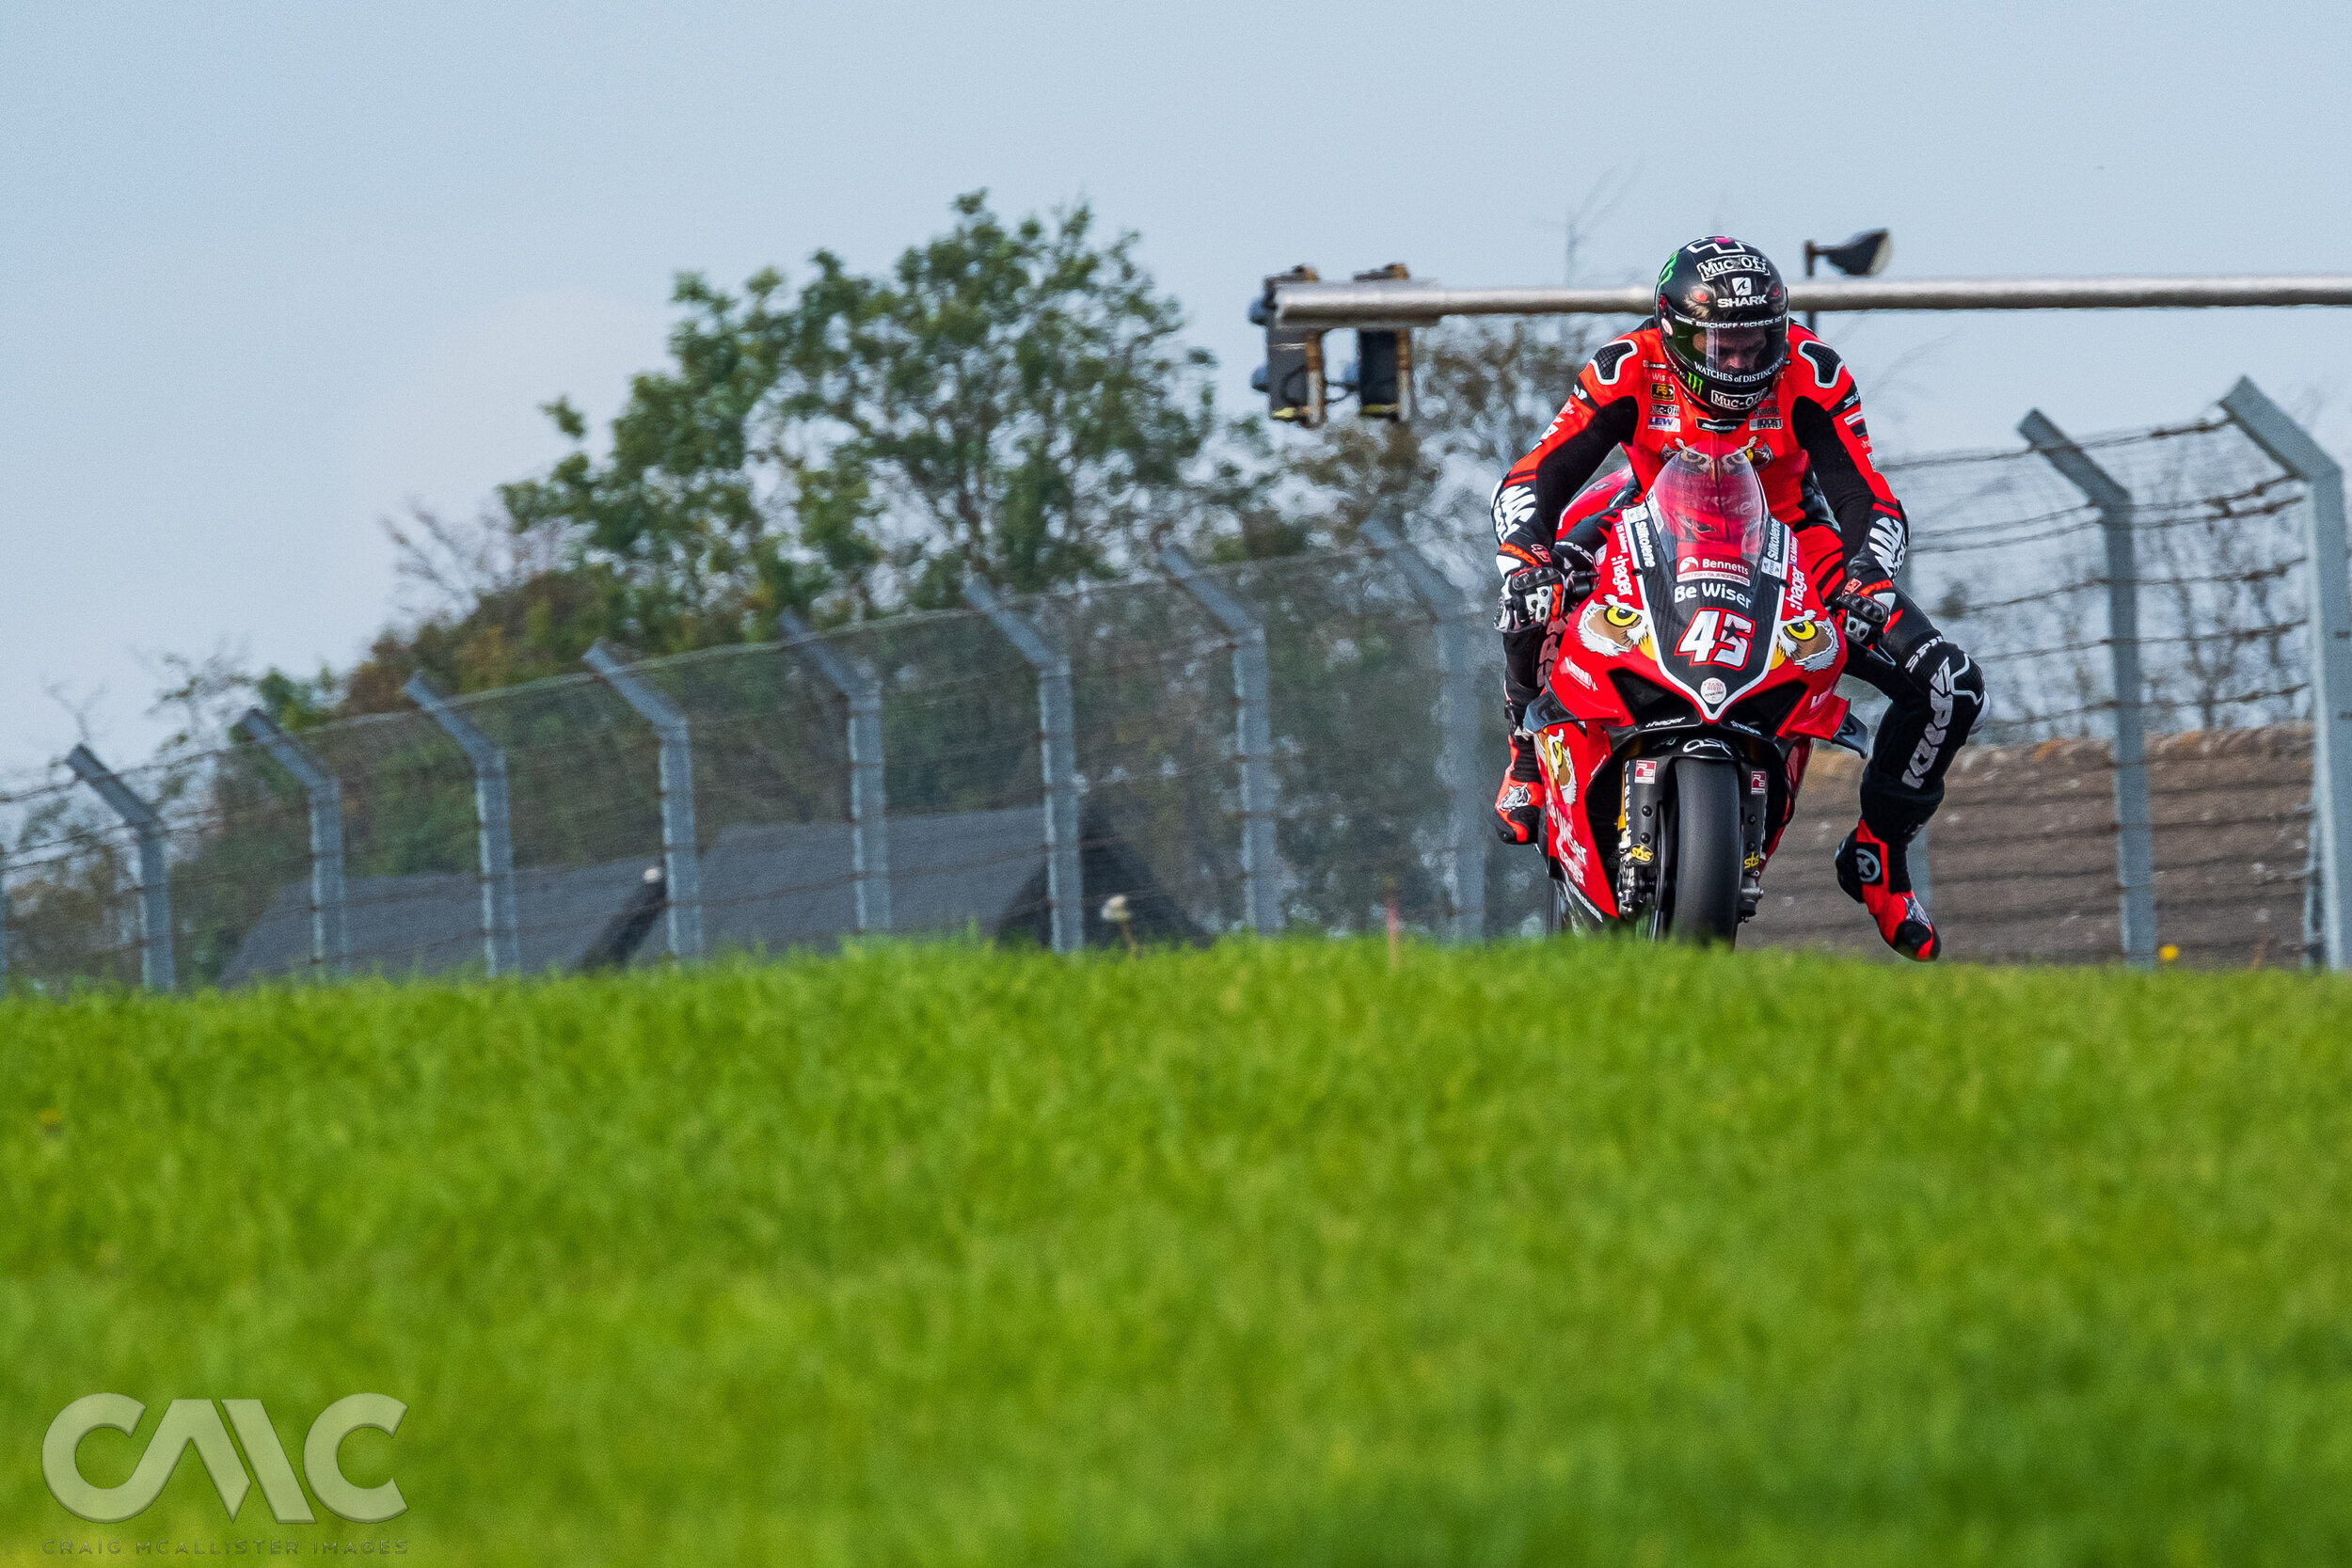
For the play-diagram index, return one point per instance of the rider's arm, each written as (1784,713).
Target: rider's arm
(1598,416)
(1825,417)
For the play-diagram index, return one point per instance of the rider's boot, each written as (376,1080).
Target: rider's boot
(1518,805)
(1873,870)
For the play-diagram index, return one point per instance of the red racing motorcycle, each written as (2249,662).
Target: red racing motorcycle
(1680,707)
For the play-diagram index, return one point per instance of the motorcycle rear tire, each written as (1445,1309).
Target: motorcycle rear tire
(1708,850)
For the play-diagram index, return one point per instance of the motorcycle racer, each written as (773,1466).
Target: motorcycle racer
(1721,356)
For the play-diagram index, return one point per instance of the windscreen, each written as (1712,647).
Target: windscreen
(1710,511)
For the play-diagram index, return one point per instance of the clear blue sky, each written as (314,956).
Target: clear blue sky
(267,270)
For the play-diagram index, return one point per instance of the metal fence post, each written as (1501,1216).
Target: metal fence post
(1058,752)
(1450,618)
(2135,840)
(2314,908)
(324,793)
(156,970)
(680,862)
(1253,734)
(2292,449)
(501,937)
(869,821)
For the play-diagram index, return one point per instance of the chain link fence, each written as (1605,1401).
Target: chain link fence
(1362,686)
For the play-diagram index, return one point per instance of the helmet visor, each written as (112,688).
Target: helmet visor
(1735,352)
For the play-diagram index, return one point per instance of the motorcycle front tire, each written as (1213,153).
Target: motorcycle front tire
(1708,850)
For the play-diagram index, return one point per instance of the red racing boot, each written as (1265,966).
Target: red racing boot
(1518,805)
(1874,876)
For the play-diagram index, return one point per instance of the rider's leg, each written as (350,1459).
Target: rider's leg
(1519,808)
(1935,695)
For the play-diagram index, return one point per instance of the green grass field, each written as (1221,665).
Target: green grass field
(1265,1255)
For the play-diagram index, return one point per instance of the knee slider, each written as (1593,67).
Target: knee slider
(1941,672)
(1951,692)
(1955,693)
(1965,679)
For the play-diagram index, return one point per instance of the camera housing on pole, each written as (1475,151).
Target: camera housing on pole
(1863,256)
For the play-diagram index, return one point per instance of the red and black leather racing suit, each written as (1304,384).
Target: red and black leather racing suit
(1812,452)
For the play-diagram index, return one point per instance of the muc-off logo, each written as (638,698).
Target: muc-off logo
(1709,271)
(196,1423)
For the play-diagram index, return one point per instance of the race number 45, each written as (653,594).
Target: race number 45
(1717,636)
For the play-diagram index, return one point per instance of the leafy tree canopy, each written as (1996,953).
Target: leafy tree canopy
(1013,399)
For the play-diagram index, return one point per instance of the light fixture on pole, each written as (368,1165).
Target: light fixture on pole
(1863,256)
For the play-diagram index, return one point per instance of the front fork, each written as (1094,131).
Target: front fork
(1756,801)
(1640,823)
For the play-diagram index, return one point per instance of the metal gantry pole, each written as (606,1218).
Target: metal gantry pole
(1453,620)
(324,793)
(2134,837)
(2292,449)
(1416,302)
(681,863)
(502,933)
(1058,754)
(1253,734)
(156,970)
(870,819)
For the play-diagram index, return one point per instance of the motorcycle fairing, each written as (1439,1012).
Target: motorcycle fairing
(1716,628)
(1636,624)
(1568,751)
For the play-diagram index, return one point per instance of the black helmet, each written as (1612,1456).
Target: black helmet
(1723,314)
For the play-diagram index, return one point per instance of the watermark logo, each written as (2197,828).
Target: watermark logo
(196,1423)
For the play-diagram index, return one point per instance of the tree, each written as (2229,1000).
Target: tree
(1019,396)
(1012,400)
(490,605)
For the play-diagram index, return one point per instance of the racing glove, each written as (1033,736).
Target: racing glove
(1865,598)
(1529,598)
